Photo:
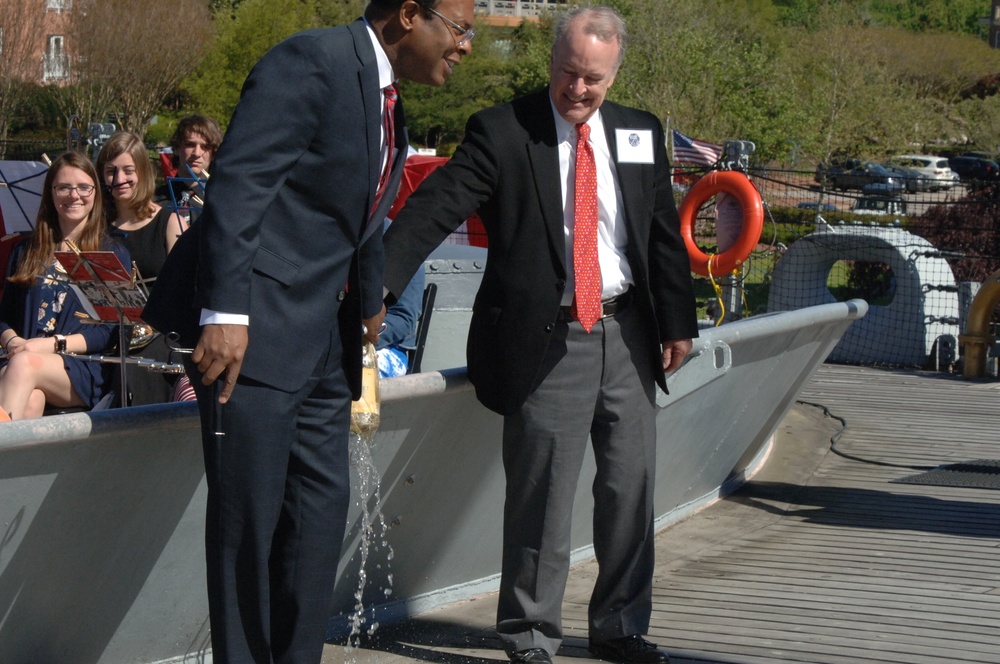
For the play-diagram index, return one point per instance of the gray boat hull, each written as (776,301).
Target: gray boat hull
(101,553)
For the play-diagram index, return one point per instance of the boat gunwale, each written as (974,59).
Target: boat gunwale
(59,429)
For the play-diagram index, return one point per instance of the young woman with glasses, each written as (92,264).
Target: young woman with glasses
(40,327)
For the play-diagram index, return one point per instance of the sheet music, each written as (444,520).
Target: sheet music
(103,285)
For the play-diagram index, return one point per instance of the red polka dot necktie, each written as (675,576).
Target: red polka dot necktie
(586,268)
(389,128)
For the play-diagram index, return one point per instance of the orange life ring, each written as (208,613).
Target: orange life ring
(737,184)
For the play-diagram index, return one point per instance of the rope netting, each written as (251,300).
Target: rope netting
(917,257)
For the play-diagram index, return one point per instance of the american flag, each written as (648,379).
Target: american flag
(692,151)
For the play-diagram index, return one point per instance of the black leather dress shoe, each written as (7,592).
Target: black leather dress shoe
(629,650)
(531,655)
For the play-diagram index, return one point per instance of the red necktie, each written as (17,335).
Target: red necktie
(586,268)
(389,128)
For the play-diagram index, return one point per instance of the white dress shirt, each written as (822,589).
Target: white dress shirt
(612,236)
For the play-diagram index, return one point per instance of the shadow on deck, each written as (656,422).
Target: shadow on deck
(820,558)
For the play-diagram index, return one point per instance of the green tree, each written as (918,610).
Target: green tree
(957,16)
(504,64)
(246,30)
(982,117)
(940,68)
(21,29)
(710,68)
(960,16)
(339,12)
(858,78)
(121,63)
(843,80)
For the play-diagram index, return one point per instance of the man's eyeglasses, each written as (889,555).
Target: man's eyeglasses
(64,190)
(464,35)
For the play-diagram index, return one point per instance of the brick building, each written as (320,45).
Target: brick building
(33,40)
(52,51)
(46,20)
(512,12)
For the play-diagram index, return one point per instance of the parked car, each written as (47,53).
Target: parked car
(982,155)
(893,187)
(856,176)
(974,168)
(912,180)
(813,205)
(935,172)
(826,172)
(880,205)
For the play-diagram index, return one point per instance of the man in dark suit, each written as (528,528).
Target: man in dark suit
(537,355)
(289,261)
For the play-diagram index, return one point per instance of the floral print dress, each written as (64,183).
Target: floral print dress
(49,307)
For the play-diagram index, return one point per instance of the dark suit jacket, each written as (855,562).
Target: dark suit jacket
(508,168)
(287,222)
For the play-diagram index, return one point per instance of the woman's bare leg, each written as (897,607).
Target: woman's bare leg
(36,404)
(26,372)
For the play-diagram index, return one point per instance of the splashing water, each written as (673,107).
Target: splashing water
(374,532)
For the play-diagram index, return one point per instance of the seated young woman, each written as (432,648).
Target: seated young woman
(38,312)
(149,231)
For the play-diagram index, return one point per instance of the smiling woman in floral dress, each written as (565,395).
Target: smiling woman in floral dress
(38,312)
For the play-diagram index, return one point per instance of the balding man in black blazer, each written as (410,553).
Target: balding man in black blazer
(530,357)
(285,264)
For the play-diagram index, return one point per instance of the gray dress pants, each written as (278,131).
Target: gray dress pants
(597,385)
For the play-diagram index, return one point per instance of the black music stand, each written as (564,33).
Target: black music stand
(186,205)
(108,292)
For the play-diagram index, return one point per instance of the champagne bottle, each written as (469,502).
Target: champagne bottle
(365,411)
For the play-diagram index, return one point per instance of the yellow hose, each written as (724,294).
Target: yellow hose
(977,340)
(718,294)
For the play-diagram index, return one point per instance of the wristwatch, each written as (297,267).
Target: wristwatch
(60,343)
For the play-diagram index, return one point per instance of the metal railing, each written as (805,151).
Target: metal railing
(530,8)
(27,150)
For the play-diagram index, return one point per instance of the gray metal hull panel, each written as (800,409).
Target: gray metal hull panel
(101,558)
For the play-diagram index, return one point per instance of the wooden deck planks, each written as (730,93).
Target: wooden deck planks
(858,568)
(828,564)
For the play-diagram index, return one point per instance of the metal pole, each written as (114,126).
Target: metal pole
(732,297)
(123,353)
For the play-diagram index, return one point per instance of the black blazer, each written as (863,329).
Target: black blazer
(507,168)
(286,235)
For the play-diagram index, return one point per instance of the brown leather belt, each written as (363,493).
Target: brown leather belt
(609,307)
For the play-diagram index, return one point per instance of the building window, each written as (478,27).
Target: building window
(57,5)
(516,7)
(56,63)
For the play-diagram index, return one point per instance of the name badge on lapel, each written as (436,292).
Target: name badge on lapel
(635,146)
